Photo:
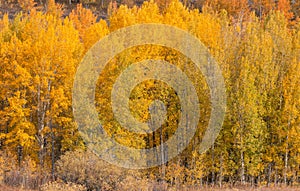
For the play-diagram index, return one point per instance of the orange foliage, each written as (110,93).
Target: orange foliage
(82,18)
(233,7)
(285,7)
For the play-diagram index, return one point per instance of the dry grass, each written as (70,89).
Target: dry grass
(10,188)
(263,188)
(297,188)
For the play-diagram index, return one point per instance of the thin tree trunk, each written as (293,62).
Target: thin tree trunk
(275,178)
(20,154)
(40,118)
(213,164)
(242,168)
(221,171)
(201,182)
(286,153)
(52,151)
(286,162)
(163,169)
(269,174)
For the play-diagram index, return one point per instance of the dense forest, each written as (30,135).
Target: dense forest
(256,44)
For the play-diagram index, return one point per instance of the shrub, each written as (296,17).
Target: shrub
(85,168)
(61,186)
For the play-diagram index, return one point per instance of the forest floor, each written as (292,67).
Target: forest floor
(8,188)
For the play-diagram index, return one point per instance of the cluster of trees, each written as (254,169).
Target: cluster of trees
(290,8)
(257,48)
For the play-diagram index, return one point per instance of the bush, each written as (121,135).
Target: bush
(24,175)
(61,186)
(133,183)
(85,168)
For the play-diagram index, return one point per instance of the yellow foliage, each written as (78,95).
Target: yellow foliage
(258,54)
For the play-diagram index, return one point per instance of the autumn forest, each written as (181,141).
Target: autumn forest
(256,44)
